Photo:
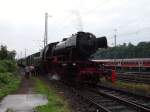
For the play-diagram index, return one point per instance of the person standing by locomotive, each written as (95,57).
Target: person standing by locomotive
(27,72)
(32,70)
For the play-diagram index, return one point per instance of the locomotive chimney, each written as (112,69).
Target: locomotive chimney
(101,42)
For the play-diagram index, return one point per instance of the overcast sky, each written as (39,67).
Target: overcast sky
(22,21)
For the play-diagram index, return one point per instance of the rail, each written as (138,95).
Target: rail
(137,78)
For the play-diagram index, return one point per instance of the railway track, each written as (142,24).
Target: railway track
(138,78)
(137,99)
(101,99)
(105,100)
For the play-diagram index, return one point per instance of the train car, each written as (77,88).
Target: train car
(21,62)
(69,59)
(133,65)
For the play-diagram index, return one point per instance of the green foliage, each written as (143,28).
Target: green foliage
(130,86)
(55,103)
(5,78)
(141,50)
(7,66)
(8,79)
(5,54)
(8,83)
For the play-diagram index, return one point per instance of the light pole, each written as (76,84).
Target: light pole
(46,29)
(40,43)
(21,54)
(115,36)
(25,53)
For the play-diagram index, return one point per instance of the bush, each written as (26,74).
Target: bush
(5,78)
(8,83)
(7,66)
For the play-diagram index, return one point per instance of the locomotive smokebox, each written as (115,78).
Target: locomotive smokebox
(101,42)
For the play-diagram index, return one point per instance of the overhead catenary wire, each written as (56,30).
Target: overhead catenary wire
(61,23)
(135,32)
(93,9)
(130,33)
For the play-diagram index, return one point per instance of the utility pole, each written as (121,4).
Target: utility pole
(18,57)
(21,54)
(46,29)
(115,36)
(25,52)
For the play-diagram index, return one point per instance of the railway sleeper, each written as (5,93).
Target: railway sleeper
(130,97)
(126,102)
(117,108)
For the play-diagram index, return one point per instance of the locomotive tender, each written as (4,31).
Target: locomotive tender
(69,59)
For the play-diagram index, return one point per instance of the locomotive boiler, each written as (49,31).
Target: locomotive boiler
(79,46)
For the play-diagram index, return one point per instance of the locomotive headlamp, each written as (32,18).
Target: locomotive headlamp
(74,64)
(64,64)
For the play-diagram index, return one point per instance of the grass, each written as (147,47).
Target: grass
(55,102)
(8,83)
(131,86)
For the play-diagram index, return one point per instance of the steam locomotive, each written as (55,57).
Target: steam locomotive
(69,59)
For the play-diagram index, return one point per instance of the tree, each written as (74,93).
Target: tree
(141,50)
(11,54)
(3,52)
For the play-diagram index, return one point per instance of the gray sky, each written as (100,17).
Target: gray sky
(22,21)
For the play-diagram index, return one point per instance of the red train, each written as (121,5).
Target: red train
(69,59)
(134,64)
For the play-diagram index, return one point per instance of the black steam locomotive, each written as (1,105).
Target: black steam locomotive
(69,59)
